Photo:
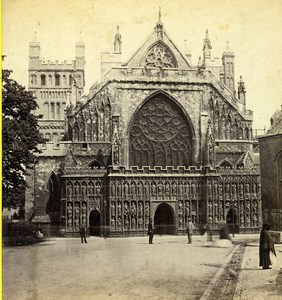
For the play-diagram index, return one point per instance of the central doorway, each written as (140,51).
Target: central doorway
(164,219)
(95,223)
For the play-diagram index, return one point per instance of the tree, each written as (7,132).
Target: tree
(20,137)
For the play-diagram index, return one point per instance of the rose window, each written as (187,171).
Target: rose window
(160,135)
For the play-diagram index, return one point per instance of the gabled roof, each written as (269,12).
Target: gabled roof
(138,58)
(246,159)
(276,123)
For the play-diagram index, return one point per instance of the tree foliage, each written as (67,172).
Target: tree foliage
(20,137)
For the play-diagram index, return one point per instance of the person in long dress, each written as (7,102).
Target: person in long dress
(150,231)
(266,246)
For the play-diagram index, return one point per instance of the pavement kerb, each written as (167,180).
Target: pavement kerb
(240,281)
(210,287)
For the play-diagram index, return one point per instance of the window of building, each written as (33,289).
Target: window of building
(43,79)
(47,137)
(57,79)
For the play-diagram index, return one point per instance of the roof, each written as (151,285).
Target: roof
(276,123)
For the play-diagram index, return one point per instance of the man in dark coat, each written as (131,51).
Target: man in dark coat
(150,231)
(189,230)
(265,246)
(82,232)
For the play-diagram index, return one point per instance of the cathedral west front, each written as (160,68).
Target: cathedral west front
(156,138)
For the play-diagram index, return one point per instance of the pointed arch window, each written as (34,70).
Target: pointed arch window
(160,135)
(159,56)
(43,79)
(57,79)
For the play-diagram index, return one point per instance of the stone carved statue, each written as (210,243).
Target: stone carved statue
(118,190)
(116,154)
(76,223)
(113,222)
(194,190)
(174,188)
(76,211)
(153,188)
(140,209)
(180,188)
(147,209)
(210,208)
(83,189)
(69,189)
(126,188)
(247,188)
(167,189)
(160,188)
(133,222)
(98,188)
(83,213)
(234,190)
(180,208)
(69,209)
(133,188)
(146,221)
(140,222)
(113,209)
(241,190)
(119,208)
(76,189)
(126,209)
(90,188)
(133,208)
(126,222)
(119,222)
(187,208)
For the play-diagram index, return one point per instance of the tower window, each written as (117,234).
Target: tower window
(43,79)
(57,79)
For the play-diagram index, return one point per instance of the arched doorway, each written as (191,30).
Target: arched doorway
(95,223)
(232,221)
(164,219)
(53,203)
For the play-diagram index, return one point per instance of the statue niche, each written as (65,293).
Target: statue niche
(160,135)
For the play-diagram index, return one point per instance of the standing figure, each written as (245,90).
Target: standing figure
(82,232)
(266,245)
(189,230)
(150,231)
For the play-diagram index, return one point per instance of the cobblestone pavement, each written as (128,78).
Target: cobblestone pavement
(256,283)
(114,268)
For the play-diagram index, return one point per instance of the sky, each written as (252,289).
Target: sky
(252,28)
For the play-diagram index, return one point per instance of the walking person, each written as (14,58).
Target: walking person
(189,230)
(150,231)
(266,245)
(82,232)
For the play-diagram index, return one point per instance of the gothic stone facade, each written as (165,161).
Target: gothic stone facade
(156,138)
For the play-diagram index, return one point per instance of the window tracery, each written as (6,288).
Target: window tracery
(160,135)
(160,56)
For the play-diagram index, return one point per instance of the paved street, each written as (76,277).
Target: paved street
(130,268)
(115,268)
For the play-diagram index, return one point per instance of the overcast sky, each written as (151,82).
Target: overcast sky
(253,29)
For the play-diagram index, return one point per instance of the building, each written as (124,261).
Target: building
(55,85)
(156,138)
(270,148)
